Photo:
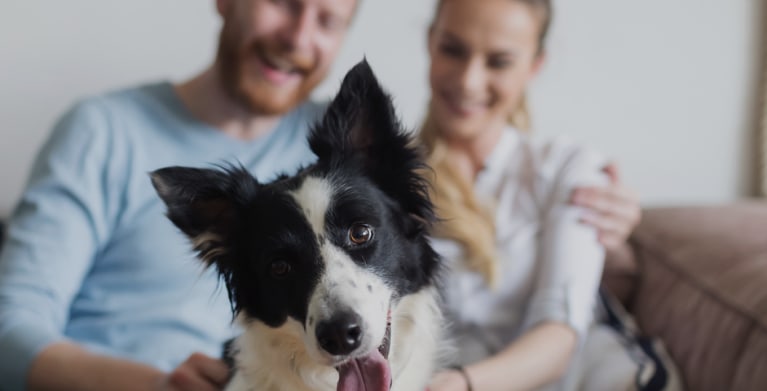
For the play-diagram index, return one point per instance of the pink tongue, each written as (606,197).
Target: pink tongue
(369,373)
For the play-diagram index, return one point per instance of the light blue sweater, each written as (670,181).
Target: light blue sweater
(90,256)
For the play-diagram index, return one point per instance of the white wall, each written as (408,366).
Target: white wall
(665,87)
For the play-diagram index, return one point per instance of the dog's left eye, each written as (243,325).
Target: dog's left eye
(360,233)
(279,268)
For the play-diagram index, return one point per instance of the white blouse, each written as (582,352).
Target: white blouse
(550,263)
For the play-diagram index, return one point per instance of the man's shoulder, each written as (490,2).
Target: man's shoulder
(311,110)
(99,118)
(297,123)
(131,98)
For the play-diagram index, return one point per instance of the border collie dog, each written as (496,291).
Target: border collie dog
(329,271)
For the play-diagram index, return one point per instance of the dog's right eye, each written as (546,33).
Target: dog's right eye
(279,268)
(360,233)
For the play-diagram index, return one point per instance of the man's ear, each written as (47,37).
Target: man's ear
(204,203)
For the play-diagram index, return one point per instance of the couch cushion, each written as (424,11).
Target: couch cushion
(621,274)
(703,290)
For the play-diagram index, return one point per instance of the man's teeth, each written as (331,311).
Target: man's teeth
(279,64)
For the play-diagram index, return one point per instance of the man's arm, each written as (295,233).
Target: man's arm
(53,235)
(64,218)
(66,366)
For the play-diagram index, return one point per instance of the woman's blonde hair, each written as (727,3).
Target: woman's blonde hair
(465,219)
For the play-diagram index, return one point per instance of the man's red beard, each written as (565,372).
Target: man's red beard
(253,92)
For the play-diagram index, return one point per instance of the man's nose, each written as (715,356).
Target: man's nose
(302,31)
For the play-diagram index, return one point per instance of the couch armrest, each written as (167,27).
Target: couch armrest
(702,288)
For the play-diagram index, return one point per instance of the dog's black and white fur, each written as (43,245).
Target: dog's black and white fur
(329,271)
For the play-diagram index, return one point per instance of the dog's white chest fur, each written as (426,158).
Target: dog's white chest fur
(271,359)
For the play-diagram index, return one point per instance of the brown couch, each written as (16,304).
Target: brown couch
(697,278)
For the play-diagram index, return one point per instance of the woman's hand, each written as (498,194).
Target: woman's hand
(448,380)
(615,210)
(198,373)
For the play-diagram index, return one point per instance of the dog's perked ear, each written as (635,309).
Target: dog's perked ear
(203,203)
(359,116)
(361,130)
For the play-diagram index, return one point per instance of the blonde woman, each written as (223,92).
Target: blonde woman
(525,260)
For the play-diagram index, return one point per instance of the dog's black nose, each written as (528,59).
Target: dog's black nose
(341,334)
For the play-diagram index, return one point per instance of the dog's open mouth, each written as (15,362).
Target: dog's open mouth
(370,372)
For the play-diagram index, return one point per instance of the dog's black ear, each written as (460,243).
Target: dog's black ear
(361,129)
(360,116)
(204,203)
